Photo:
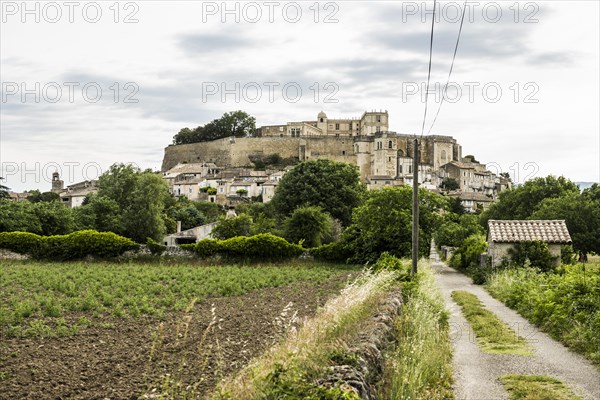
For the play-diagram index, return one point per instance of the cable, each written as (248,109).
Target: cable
(429,74)
(451,67)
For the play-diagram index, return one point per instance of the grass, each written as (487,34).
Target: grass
(536,387)
(58,299)
(421,365)
(565,303)
(289,369)
(493,335)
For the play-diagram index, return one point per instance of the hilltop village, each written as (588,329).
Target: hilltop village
(236,170)
(232,170)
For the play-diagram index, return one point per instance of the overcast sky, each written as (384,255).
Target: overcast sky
(85,85)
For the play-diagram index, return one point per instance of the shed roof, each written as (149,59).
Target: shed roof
(513,231)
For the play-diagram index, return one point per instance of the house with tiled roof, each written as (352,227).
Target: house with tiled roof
(504,235)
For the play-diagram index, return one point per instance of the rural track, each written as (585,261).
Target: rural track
(476,374)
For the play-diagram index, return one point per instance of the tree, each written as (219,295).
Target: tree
(331,185)
(3,190)
(18,216)
(308,224)
(235,123)
(384,223)
(100,213)
(521,202)
(189,216)
(35,196)
(231,227)
(582,217)
(241,192)
(450,184)
(141,198)
(55,218)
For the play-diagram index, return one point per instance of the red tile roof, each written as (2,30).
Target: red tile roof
(550,231)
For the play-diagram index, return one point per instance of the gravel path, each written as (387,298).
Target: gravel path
(476,374)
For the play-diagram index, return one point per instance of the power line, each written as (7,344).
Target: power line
(429,73)
(451,67)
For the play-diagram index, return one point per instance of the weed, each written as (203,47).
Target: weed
(536,387)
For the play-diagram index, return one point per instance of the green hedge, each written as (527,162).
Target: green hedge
(262,246)
(20,242)
(73,246)
(334,252)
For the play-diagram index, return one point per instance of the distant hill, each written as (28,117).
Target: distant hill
(584,185)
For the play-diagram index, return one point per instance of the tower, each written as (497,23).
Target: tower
(322,122)
(57,184)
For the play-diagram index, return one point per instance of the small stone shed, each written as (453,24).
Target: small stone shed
(505,234)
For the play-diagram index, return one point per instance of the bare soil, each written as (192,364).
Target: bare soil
(115,362)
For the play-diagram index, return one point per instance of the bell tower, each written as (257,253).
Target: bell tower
(57,184)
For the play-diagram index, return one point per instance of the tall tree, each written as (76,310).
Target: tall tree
(331,185)
(308,224)
(234,123)
(521,202)
(3,190)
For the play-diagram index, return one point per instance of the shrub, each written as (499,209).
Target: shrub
(206,248)
(536,252)
(334,252)
(391,263)
(262,246)
(75,245)
(20,242)
(155,248)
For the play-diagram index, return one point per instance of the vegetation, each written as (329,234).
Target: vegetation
(565,303)
(533,253)
(263,246)
(289,370)
(420,366)
(76,245)
(3,190)
(536,387)
(456,228)
(493,335)
(468,256)
(229,227)
(309,226)
(384,223)
(235,123)
(333,186)
(48,299)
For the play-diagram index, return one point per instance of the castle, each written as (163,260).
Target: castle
(381,155)
(383,158)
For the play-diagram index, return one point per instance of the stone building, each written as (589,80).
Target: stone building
(73,195)
(369,123)
(503,235)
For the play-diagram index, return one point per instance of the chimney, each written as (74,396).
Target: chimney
(178,226)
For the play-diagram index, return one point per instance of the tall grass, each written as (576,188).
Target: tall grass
(288,369)
(420,366)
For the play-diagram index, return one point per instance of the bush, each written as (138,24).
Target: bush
(73,246)
(155,248)
(391,263)
(536,252)
(263,246)
(333,252)
(468,257)
(20,242)
(206,248)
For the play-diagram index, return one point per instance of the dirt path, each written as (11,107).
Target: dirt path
(476,373)
(115,363)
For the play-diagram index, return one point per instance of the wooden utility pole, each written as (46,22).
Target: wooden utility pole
(415,208)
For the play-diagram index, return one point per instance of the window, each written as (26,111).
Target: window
(343,152)
(390,144)
(321,120)
(281,129)
(389,159)
(337,127)
(377,129)
(379,118)
(400,169)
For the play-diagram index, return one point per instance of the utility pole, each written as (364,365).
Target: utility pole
(415,208)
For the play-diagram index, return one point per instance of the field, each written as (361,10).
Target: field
(565,304)
(96,330)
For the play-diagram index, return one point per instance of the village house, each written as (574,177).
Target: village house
(75,194)
(504,235)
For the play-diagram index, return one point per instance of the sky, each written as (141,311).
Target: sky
(85,85)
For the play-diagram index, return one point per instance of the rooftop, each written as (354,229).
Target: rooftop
(550,231)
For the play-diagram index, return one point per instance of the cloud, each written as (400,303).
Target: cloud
(202,43)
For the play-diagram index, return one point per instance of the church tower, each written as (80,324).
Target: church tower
(57,184)
(322,122)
